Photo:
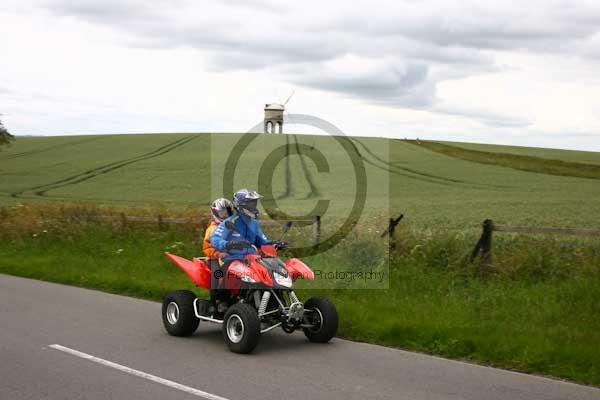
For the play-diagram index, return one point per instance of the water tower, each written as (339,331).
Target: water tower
(274,118)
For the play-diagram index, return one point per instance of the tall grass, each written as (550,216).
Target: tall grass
(534,308)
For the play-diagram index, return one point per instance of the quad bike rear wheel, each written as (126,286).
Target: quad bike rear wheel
(178,313)
(241,328)
(320,313)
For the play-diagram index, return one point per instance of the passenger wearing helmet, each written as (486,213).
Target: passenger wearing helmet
(237,234)
(220,209)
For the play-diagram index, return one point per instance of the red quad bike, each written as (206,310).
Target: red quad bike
(258,298)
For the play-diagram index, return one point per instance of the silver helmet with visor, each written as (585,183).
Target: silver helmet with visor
(221,209)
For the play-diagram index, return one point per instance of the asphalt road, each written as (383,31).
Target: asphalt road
(127,333)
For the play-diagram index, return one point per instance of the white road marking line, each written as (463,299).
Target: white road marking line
(141,374)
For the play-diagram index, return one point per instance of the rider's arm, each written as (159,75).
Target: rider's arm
(218,239)
(261,239)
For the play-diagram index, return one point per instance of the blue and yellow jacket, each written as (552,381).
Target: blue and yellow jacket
(246,228)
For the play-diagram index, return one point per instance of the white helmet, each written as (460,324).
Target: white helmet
(221,209)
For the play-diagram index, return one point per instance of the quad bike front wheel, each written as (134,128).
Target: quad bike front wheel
(322,315)
(241,328)
(178,313)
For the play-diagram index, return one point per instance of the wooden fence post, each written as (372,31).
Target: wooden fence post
(317,229)
(391,229)
(288,226)
(3,213)
(484,244)
(160,223)
(123,221)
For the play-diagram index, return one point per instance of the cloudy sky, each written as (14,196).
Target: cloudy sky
(524,73)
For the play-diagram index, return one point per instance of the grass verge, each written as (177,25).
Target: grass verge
(535,310)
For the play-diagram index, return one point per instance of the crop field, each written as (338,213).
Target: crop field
(432,189)
(127,169)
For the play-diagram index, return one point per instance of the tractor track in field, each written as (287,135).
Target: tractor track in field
(404,171)
(56,146)
(410,170)
(314,190)
(289,187)
(40,190)
(288,171)
(407,174)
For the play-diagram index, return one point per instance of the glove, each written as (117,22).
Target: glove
(237,244)
(280,244)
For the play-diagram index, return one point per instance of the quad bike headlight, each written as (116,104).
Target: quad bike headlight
(283,280)
(246,278)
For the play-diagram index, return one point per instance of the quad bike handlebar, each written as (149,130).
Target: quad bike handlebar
(243,244)
(280,244)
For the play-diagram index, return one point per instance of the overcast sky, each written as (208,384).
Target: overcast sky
(526,73)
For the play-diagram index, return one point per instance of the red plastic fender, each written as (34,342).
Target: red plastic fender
(299,270)
(239,269)
(262,274)
(268,250)
(251,268)
(197,270)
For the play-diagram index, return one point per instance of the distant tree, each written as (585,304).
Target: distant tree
(5,136)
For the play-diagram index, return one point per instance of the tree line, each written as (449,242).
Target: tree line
(5,136)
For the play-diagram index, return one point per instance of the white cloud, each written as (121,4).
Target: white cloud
(443,68)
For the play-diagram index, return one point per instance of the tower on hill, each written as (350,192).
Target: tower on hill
(274,118)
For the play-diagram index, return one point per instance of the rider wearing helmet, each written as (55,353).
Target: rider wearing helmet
(238,234)
(220,209)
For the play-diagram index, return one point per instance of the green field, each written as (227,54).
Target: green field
(430,188)
(129,169)
(534,308)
